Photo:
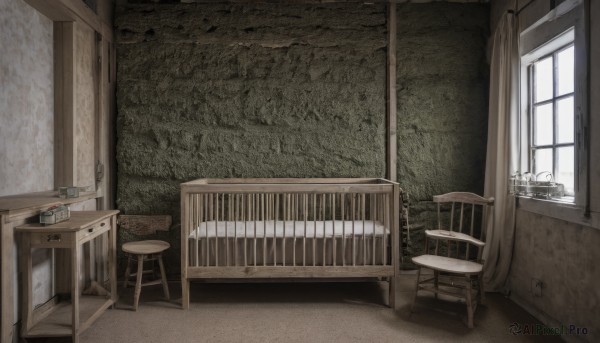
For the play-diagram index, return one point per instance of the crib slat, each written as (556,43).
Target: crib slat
(285,218)
(276,210)
(386,225)
(197,210)
(314,242)
(374,219)
(364,238)
(216,229)
(294,215)
(254,195)
(323,200)
(223,205)
(207,209)
(262,205)
(305,205)
(353,229)
(333,225)
(212,207)
(235,220)
(342,200)
(244,213)
(232,219)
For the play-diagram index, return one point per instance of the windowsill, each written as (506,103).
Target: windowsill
(563,209)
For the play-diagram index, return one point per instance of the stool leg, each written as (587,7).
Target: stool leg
(127,271)
(138,283)
(163,276)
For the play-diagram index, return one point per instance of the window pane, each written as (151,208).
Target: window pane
(543,161)
(566,71)
(565,159)
(543,72)
(565,126)
(542,125)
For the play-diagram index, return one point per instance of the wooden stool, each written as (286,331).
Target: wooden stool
(145,251)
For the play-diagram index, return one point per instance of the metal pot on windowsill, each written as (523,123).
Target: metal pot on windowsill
(545,189)
(540,186)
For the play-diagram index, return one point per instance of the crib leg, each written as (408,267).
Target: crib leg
(185,294)
(392,292)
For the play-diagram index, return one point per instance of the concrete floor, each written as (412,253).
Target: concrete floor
(303,312)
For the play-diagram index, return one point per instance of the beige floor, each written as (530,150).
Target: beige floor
(302,312)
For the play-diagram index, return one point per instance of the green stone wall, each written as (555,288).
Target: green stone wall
(442,86)
(225,90)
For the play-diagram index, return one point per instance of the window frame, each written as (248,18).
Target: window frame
(561,27)
(559,46)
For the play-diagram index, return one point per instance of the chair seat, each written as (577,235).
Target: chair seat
(145,247)
(453,236)
(447,264)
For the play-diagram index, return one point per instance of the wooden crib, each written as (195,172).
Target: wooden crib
(289,228)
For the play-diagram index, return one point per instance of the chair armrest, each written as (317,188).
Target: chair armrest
(453,236)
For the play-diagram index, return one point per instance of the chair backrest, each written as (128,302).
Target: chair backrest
(465,209)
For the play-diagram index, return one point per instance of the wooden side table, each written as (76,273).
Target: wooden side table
(17,210)
(67,318)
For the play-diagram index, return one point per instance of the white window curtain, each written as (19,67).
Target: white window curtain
(502,150)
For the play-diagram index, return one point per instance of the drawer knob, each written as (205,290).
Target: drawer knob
(91,229)
(102,224)
(53,238)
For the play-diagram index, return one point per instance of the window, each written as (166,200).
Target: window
(550,131)
(552,117)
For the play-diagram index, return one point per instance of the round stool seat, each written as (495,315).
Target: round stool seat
(145,247)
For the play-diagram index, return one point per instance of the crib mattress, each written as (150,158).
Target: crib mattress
(289,243)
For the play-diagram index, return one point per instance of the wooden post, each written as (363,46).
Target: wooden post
(185,285)
(65,164)
(391,93)
(6,280)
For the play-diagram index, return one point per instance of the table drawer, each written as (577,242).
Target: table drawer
(51,240)
(95,230)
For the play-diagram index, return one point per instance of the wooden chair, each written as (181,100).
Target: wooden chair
(454,274)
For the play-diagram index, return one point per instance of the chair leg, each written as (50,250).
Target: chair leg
(469,303)
(412,305)
(138,283)
(163,277)
(481,290)
(435,282)
(127,271)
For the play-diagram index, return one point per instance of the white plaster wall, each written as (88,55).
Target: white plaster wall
(26,100)
(564,256)
(27,117)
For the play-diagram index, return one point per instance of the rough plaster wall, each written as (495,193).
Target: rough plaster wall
(26,100)
(556,252)
(246,91)
(85,104)
(442,87)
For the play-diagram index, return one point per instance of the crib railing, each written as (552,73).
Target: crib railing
(309,215)
(244,228)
